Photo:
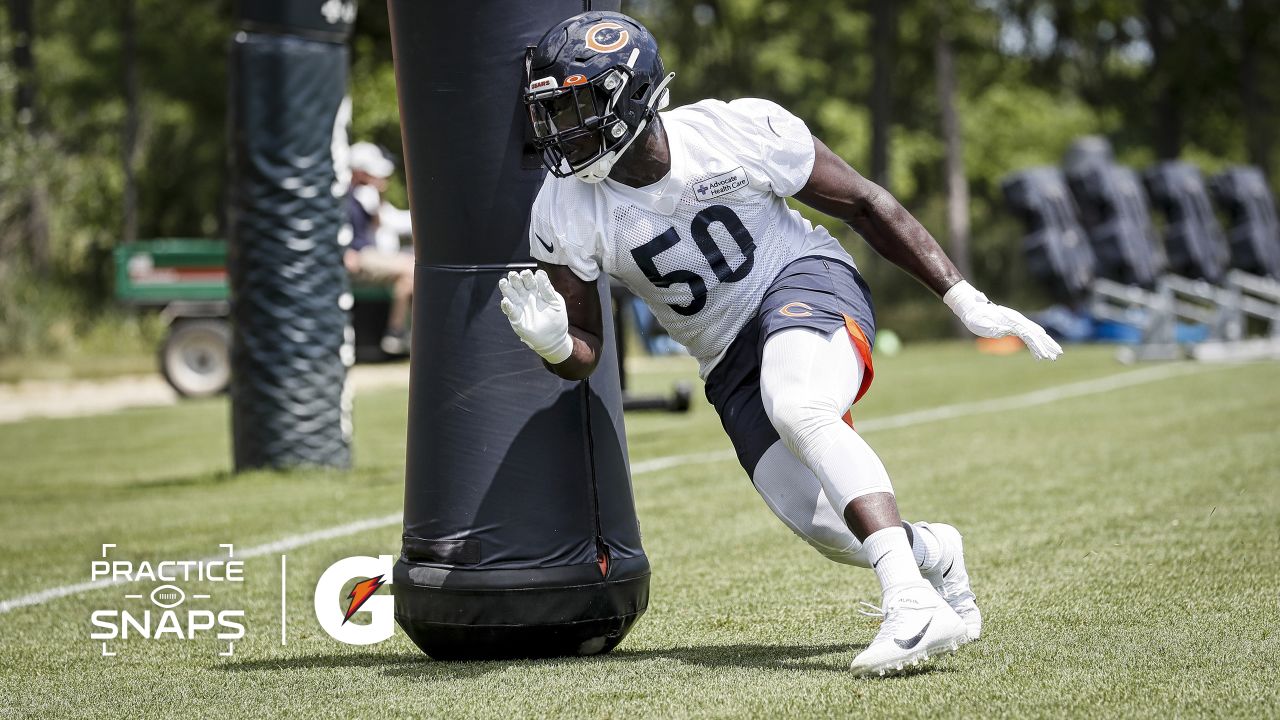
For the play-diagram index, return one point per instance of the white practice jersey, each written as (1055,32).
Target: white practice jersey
(702,245)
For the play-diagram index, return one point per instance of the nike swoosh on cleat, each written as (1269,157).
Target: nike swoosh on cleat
(544,243)
(914,640)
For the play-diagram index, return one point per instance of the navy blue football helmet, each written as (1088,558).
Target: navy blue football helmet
(592,84)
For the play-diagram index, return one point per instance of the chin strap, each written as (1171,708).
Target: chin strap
(600,169)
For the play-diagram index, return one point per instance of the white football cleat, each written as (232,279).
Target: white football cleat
(951,579)
(917,625)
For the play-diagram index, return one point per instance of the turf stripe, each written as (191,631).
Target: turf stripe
(901,420)
(276,546)
(1035,397)
(958,410)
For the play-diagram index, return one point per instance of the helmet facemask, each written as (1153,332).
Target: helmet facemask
(577,126)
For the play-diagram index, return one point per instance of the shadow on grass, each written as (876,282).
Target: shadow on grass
(218,477)
(365,475)
(823,658)
(329,660)
(755,656)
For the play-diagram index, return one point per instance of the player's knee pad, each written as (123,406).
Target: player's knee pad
(807,382)
(802,422)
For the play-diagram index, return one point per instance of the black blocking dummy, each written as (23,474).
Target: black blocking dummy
(1115,213)
(1253,231)
(1056,247)
(520,533)
(1194,240)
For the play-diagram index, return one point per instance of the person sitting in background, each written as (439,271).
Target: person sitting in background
(374,255)
(393,225)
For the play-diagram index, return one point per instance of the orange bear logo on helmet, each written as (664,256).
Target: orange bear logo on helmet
(607,36)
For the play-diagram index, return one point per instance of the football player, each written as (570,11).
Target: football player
(687,209)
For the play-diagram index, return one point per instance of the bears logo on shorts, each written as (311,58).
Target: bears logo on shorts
(607,36)
(796,310)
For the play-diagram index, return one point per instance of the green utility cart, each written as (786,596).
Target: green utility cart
(185,280)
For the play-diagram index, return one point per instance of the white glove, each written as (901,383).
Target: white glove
(986,319)
(537,314)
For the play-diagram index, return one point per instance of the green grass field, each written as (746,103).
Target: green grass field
(1124,544)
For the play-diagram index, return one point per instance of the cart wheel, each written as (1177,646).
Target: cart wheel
(196,357)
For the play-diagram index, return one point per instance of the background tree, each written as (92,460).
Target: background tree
(129,202)
(1193,78)
(28,231)
(884,36)
(956,181)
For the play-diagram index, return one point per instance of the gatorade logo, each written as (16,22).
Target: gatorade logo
(334,614)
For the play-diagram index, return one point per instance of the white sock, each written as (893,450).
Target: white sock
(891,557)
(926,546)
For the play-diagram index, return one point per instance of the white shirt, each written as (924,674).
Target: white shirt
(393,224)
(702,245)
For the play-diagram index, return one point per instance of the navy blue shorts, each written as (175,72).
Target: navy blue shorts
(818,293)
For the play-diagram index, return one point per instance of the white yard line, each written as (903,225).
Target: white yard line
(1034,398)
(891,422)
(284,544)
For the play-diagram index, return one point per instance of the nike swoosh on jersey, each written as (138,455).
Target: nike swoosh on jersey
(544,243)
(915,639)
